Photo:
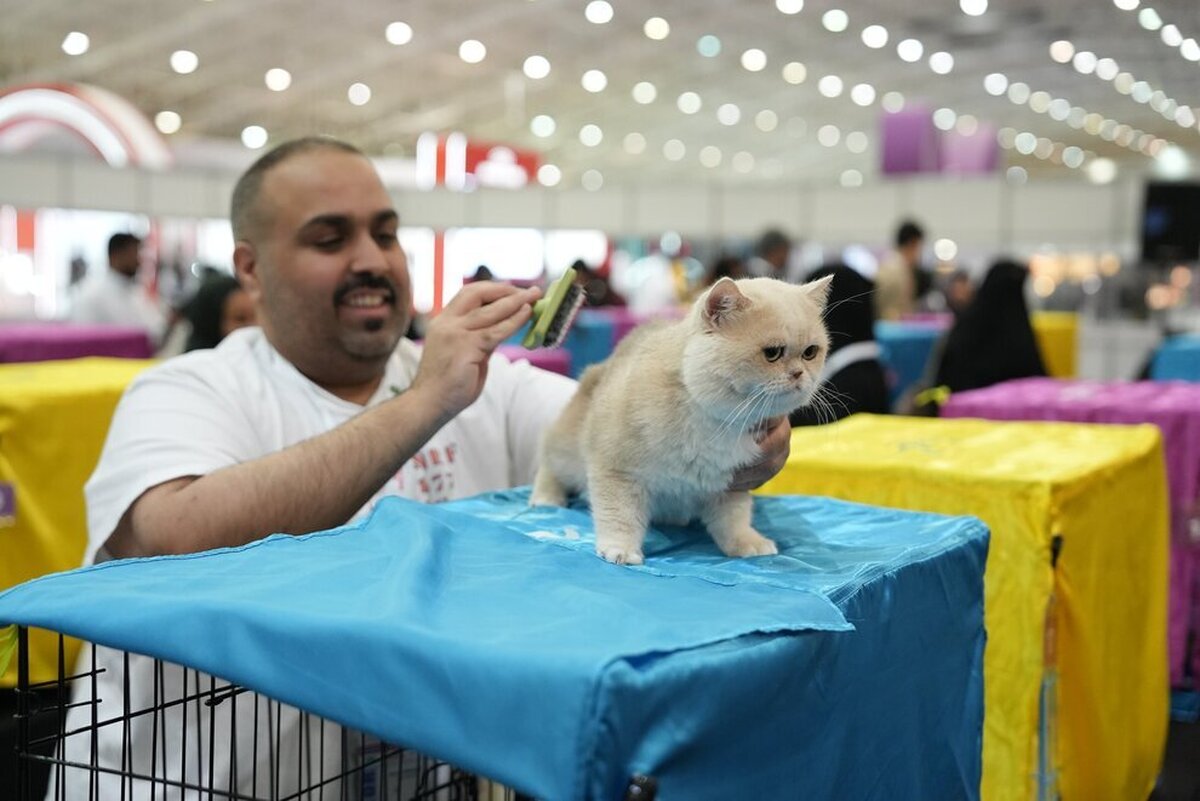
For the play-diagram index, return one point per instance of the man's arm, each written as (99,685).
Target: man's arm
(323,481)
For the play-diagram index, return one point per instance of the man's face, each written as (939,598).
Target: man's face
(328,276)
(126,260)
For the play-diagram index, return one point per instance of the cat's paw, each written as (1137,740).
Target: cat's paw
(750,543)
(620,554)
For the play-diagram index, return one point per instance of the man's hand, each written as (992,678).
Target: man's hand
(776,442)
(461,339)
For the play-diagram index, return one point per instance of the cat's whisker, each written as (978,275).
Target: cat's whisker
(833,306)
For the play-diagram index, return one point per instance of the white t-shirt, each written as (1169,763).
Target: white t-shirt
(209,409)
(109,298)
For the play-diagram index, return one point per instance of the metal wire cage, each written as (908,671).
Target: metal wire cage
(195,737)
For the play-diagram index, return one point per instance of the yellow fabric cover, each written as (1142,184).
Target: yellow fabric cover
(1057,336)
(53,420)
(1103,490)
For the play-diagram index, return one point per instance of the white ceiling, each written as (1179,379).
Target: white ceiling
(424,85)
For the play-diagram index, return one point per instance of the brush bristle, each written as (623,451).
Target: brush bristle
(556,332)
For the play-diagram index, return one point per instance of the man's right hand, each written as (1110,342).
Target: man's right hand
(461,338)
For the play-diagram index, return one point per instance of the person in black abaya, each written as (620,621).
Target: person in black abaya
(853,379)
(993,340)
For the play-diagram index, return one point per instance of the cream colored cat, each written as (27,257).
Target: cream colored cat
(657,431)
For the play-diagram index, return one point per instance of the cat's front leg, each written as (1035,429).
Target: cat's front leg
(621,511)
(727,519)
(547,489)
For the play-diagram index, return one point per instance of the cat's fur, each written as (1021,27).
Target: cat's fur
(657,431)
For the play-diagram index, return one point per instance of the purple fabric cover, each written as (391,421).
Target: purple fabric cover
(556,360)
(911,143)
(1173,406)
(40,342)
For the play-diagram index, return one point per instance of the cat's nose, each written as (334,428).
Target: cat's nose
(797,373)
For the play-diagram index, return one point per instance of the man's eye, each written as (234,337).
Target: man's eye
(773,353)
(329,243)
(386,239)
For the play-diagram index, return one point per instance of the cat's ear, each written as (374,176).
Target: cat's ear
(818,290)
(723,300)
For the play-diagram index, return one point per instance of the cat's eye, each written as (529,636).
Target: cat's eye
(773,353)
(810,353)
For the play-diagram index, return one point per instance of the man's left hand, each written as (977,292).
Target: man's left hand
(776,444)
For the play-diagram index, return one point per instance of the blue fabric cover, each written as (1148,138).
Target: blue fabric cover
(906,349)
(538,664)
(1177,359)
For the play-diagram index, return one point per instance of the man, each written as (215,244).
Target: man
(302,423)
(901,281)
(771,254)
(116,297)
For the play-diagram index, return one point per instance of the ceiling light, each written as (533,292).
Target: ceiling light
(254,136)
(1190,49)
(766,120)
(1062,51)
(167,122)
(591,135)
(1072,157)
(875,36)
(673,150)
(1141,92)
(1185,116)
(543,125)
(1040,102)
(277,79)
(1044,148)
(863,94)
(944,118)
(1085,62)
(657,28)
(1059,109)
(1107,69)
(472,51)
(1172,162)
(729,114)
(592,180)
(790,6)
(708,46)
(1101,171)
(1016,175)
(688,102)
(1025,143)
(851,179)
(835,20)
(829,135)
(1006,137)
(398,33)
(967,125)
(856,142)
(184,61)
(1108,130)
(1148,18)
(754,59)
(76,43)
(830,86)
(1092,123)
(1018,92)
(710,156)
(1158,100)
(1076,117)
(549,175)
(995,84)
(536,67)
(594,81)
(910,50)
(634,143)
(1126,5)
(598,12)
(794,72)
(893,102)
(359,94)
(973,8)
(941,62)
(742,162)
(644,92)
(945,249)
(1171,36)
(1123,83)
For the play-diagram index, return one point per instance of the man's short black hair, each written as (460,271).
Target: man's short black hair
(121,241)
(771,241)
(244,213)
(908,232)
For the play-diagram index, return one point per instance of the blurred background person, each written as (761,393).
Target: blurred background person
(853,379)
(901,282)
(771,254)
(218,307)
(726,266)
(598,291)
(115,296)
(959,290)
(993,340)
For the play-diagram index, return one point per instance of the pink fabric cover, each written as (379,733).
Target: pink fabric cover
(39,342)
(1173,406)
(556,360)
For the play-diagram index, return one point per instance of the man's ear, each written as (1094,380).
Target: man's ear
(245,267)
(723,300)
(819,290)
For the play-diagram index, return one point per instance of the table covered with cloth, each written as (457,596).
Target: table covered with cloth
(488,634)
(1095,496)
(46,341)
(1172,406)
(53,420)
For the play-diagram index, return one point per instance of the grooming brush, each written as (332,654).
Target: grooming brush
(554,313)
